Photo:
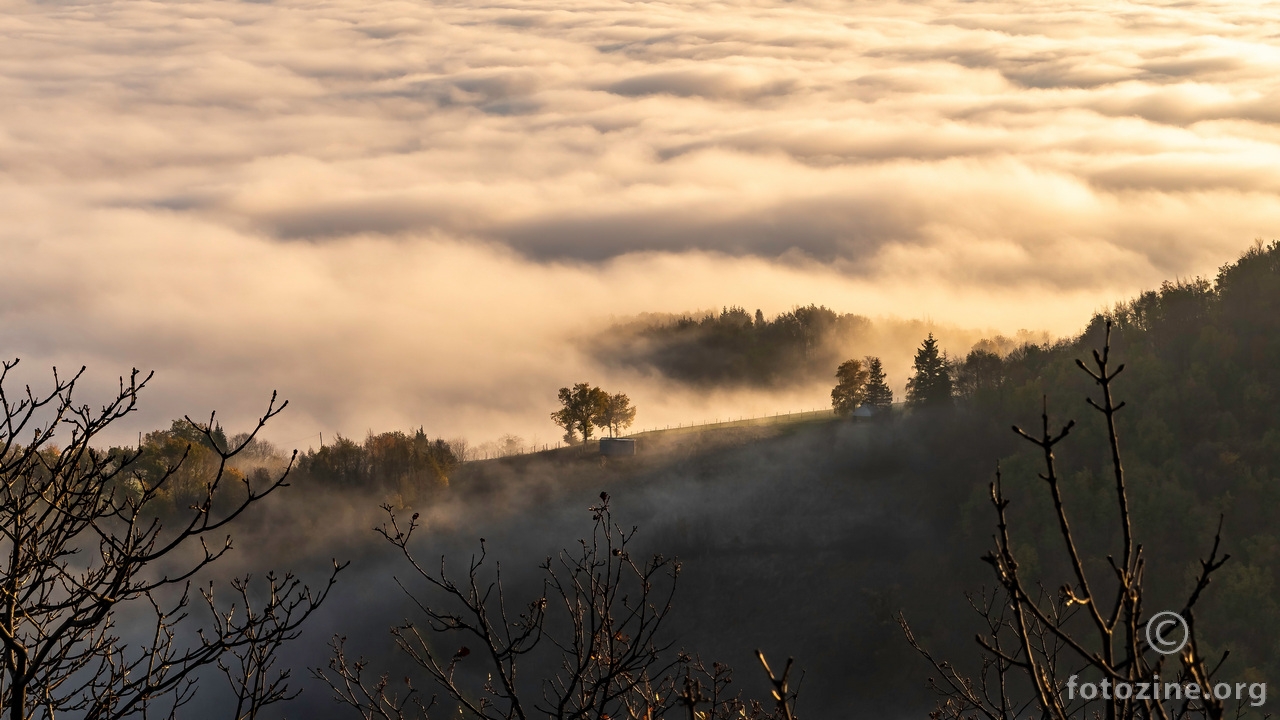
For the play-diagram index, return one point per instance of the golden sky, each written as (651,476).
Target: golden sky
(401,213)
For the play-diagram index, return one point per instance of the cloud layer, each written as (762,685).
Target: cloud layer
(402,212)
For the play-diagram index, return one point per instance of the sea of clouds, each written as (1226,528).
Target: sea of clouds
(403,213)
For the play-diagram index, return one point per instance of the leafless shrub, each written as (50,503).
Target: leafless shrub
(601,611)
(79,544)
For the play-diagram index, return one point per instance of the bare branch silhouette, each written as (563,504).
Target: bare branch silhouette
(1038,643)
(597,626)
(80,541)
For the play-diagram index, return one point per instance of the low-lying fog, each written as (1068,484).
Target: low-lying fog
(802,542)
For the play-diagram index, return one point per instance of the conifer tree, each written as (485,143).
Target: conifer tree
(931,384)
(879,394)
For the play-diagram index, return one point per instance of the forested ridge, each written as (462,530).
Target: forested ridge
(735,347)
(1201,436)
(839,529)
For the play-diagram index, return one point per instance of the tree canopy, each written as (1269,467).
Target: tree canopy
(409,465)
(737,347)
(851,387)
(585,406)
(931,384)
(879,395)
(582,405)
(618,414)
(979,373)
(84,554)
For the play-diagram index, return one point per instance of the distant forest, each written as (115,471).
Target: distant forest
(403,468)
(803,346)
(737,347)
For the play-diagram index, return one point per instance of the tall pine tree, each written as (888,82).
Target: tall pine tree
(931,384)
(879,395)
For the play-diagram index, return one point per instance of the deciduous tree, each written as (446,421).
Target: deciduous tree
(582,405)
(981,372)
(81,543)
(617,415)
(851,387)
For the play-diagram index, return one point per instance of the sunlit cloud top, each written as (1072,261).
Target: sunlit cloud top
(400,213)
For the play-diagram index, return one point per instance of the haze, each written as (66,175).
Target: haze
(403,214)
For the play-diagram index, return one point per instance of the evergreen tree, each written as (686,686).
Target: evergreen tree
(879,395)
(931,384)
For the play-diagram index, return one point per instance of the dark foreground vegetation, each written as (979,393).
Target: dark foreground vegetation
(803,541)
(97,592)
(1201,438)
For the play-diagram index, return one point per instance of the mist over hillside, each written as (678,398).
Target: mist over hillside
(737,349)
(810,260)
(805,539)
(801,541)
